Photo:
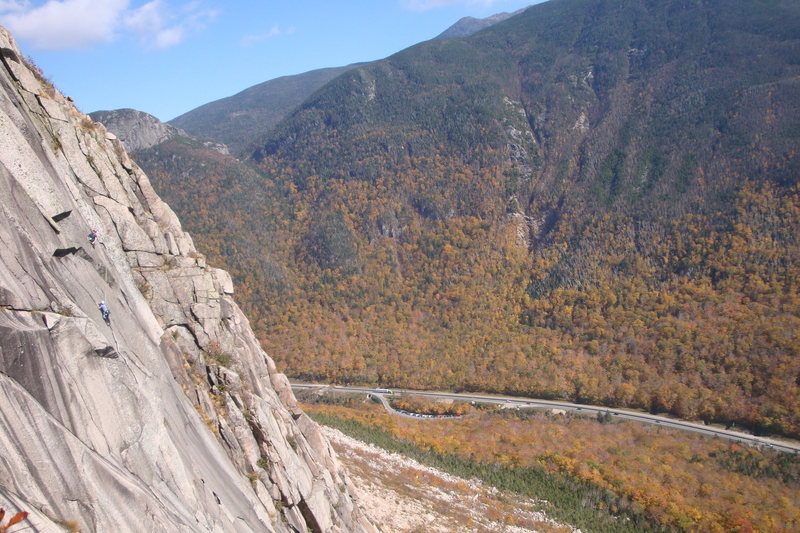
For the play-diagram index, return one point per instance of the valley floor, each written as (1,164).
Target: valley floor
(404,496)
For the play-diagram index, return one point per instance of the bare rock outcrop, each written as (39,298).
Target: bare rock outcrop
(136,129)
(139,130)
(170,417)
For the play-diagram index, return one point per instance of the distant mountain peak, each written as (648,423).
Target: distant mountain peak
(466,26)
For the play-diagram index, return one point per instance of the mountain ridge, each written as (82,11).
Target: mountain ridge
(232,119)
(466,26)
(236,120)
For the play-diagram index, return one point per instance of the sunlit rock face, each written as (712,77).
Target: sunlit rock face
(168,417)
(137,130)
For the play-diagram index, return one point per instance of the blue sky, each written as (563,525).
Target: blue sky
(167,57)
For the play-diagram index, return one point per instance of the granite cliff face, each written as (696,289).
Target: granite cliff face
(168,418)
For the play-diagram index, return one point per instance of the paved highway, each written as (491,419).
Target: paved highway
(523,403)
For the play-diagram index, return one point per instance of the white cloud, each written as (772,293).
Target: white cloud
(169,37)
(160,27)
(60,24)
(63,24)
(145,19)
(275,31)
(13,5)
(425,5)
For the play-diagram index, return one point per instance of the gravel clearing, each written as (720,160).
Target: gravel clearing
(402,495)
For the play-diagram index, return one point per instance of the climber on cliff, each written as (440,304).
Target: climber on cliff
(104,310)
(93,237)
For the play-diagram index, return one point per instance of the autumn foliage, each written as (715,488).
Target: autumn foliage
(696,321)
(679,480)
(595,201)
(14,520)
(411,403)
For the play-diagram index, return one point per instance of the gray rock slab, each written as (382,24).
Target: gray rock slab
(112,424)
(133,237)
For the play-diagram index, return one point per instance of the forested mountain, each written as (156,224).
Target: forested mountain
(253,112)
(591,200)
(237,119)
